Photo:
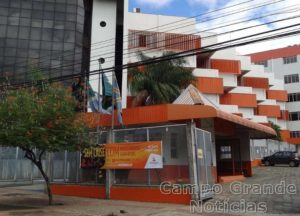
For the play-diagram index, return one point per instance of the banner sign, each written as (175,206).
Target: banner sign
(93,157)
(134,155)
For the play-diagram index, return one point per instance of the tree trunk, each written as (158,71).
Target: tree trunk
(46,178)
(140,98)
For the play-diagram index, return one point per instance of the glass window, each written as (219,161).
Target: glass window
(292,97)
(23,44)
(58,35)
(293,78)
(59,25)
(15,3)
(47,34)
(70,25)
(48,24)
(12,31)
(60,7)
(22,53)
(34,44)
(71,9)
(264,63)
(13,20)
(49,6)
(11,42)
(3,20)
(37,5)
(69,36)
(24,32)
(25,13)
(9,51)
(36,23)
(27,4)
(2,31)
(69,46)
(294,116)
(36,14)
(14,12)
(71,17)
(57,46)
(35,34)
(174,147)
(225,152)
(25,22)
(49,15)
(46,45)
(60,16)
(289,59)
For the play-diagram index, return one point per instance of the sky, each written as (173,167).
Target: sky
(206,15)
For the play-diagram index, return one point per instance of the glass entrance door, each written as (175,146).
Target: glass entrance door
(203,148)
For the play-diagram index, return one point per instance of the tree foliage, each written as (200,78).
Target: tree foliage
(41,119)
(277,129)
(160,82)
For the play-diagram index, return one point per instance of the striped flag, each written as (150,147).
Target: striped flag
(117,100)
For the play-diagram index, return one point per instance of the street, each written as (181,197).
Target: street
(30,200)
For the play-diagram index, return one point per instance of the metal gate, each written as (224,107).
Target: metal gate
(204,163)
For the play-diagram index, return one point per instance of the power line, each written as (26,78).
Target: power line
(206,49)
(215,35)
(237,11)
(155,48)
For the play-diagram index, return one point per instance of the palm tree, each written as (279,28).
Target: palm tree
(160,82)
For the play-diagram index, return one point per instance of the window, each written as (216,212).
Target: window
(174,153)
(294,116)
(225,152)
(289,59)
(142,40)
(292,97)
(293,78)
(295,134)
(264,63)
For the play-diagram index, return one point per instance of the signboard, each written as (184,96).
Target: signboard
(200,153)
(134,155)
(93,157)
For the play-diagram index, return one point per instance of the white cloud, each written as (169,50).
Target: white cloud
(154,3)
(248,14)
(206,3)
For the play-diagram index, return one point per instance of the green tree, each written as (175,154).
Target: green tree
(41,119)
(277,129)
(160,82)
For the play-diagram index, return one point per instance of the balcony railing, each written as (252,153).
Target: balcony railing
(161,40)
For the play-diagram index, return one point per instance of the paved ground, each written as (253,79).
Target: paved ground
(31,201)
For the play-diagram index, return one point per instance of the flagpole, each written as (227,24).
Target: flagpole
(101,61)
(113,109)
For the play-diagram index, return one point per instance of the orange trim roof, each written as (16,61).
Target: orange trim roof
(276,53)
(173,112)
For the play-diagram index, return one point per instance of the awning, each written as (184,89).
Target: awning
(175,112)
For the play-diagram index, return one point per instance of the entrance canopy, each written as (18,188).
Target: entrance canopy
(168,113)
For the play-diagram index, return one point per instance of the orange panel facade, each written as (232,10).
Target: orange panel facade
(294,140)
(284,115)
(79,190)
(279,95)
(285,135)
(210,85)
(256,82)
(226,66)
(269,110)
(242,100)
(273,54)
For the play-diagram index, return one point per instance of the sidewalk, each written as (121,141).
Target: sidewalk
(31,201)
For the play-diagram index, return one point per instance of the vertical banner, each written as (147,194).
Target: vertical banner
(135,155)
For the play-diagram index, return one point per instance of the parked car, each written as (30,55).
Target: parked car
(282,157)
